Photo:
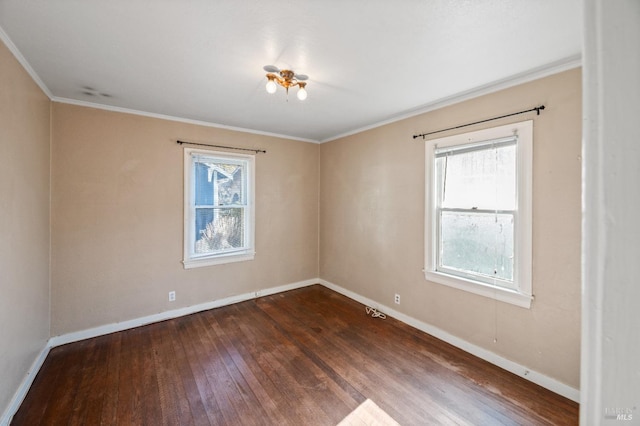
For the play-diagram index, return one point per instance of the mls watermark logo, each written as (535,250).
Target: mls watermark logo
(617,413)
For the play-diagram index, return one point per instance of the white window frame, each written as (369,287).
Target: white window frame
(522,294)
(192,260)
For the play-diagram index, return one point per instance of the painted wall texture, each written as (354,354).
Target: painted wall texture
(24,223)
(611,230)
(108,246)
(372,226)
(117,217)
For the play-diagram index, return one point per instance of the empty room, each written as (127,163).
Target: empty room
(319,213)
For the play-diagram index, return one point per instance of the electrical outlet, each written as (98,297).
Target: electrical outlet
(172,296)
(397,299)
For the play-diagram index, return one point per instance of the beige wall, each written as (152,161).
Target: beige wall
(117,217)
(372,225)
(24,224)
(116,222)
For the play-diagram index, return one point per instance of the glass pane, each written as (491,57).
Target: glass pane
(219,183)
(204,185)
(203,218)
(484,179)
(477,243)
(219,230)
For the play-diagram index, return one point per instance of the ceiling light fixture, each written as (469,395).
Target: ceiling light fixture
(286,79)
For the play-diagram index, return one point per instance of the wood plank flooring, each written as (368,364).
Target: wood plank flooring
(305,357)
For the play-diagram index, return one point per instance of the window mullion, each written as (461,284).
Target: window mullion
(192,238)
(474,210)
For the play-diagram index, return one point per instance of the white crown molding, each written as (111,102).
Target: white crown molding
(556,67)
(21,59)
(178,119)
(565,64)
(520,370)
(36,78)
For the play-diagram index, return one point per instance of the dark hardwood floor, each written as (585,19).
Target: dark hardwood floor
(305,357)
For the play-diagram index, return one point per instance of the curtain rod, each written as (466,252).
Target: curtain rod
(257,151)
(536,109)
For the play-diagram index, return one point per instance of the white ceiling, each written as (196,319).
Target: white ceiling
(368,61)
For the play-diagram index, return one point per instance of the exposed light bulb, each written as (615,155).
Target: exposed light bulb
(302,94)
(271,87)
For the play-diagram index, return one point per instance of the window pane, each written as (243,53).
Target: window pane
(485,179)
(219,229)
(219,183)
(477,243)
(204,216)
(204,185)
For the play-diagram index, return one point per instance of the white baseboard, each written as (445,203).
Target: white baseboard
(18,397)
(511,366)
(125,325)
(175,313)
(520,370)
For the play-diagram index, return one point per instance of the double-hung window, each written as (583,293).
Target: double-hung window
(478,212)
(218,208)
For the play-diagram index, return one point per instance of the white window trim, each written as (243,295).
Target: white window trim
(189,261)
(522,233)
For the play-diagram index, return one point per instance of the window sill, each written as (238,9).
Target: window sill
(497,293)
(218,260)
